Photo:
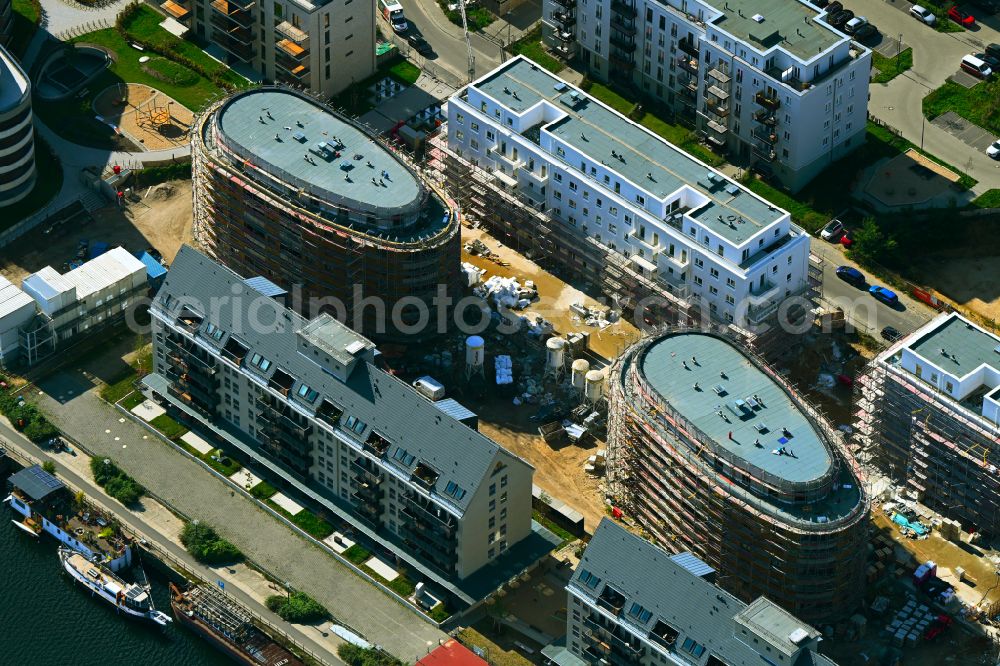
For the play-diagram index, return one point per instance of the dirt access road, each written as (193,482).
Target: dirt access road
(161,220)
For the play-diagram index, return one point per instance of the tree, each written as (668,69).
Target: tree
(49,466)
(296,607)
(871,245)
(205,544)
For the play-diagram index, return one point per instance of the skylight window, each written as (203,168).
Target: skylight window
(589,579)
(260,362)
(640,613)
(214,332)
(454,490)
(693,647)
(307,394)
(355,424)
(403,456)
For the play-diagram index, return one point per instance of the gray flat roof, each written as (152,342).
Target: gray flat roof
(784,25)
(663,365)
(245,122)
(598,131)
(967,347)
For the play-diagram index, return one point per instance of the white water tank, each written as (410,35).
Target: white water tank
(594,386)
(555,353)
(579,377)
(475,351)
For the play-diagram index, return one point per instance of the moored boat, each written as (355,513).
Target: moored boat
(127,598)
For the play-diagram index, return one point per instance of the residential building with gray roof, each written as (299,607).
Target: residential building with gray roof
(929,415)
(770,82)
(307,401)
(631,603)
(711,451)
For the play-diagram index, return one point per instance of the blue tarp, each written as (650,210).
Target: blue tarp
(154,269)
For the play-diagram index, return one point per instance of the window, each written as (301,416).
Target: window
(639,613)
(460,117)
(731,283)
(307,394)
(572,186)
(557,177)
(475,127)
(589,579)
(403,456)
(493,489)
(260,362)
(692,647)
(714,272)
(713,290)
(354,424)
(214,332)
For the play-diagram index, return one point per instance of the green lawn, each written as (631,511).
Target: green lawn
(890,68)
(263,490)
(356,554)
(978,104)
(682,137)
(47,185)
(170,72)
(405,71)
(563,534)
(132,400)
(477,18)
(25,17)
(305,520)
(988,199)
(170,428)
(121,387)
(531,47)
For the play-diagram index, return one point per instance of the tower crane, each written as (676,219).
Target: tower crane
(468,42)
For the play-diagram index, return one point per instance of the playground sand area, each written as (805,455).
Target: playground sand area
(149,117)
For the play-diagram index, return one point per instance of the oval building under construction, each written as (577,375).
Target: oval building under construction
(712,452)
(287,189)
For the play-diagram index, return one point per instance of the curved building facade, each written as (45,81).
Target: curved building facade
(6,22)
(17,138)
(286,189)
(712,452)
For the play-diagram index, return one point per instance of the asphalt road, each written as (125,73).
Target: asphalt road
(936,57)
(450,59)
(860,308)
(13,439)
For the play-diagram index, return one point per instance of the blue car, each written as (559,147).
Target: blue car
(851,275)
(882,294)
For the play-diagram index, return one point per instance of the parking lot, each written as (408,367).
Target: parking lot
(959,127)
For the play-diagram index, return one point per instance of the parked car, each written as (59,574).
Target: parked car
(994,150)
(994,63)
(993,50)
(855,24)
(923,15)
(833,8)
(840,18)
(419,44)
(891,334)
(964,19)
(866,32)
(976,67)
(846,240)
(887,296)
(832,231)
(851,275)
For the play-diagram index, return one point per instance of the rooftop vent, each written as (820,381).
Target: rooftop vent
(759,18)
(355,347)
(798,635)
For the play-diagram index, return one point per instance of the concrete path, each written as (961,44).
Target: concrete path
(936,57)
(154,522)
(70,402)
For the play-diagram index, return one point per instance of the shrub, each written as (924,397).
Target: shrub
(49,466)
(359,656)
(297,607)
(439,613)
(115,482)
(204,543)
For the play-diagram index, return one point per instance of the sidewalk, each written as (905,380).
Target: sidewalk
(161,528)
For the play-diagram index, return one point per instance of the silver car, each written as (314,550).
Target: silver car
(923,15)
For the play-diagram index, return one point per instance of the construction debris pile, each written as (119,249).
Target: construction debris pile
(504,367)
(599,317)
(507,292)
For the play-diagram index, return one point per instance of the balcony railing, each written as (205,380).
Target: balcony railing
(765,116)
(765,136)
(688,65)
(688,47)
(568,4)
(623,8)
(566,19)
(767,101)
(622,62)
(718,75)
(622,25)
(289,31)
(767,154)
(718,108)
(626,45)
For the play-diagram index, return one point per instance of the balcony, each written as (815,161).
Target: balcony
(765,117)
(366,491)
(289,31)
(623,9)
(765,153)
(718,93)
(717,74)
(622,25)
(688,46)
(663,634)
(176,10)
(717,128)
(424,476)
(568,4)
(767,101)
(423,513)
(565,36)
(442,543)
(511,162)
(765,136)
(762,292)
(329,413)
(611,600)
(622,61)
(688,65)
(234,12)
(566,19)
(238,47)
(291,49)
(717,108)
(625,45)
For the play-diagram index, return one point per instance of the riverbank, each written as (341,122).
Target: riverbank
(157,528)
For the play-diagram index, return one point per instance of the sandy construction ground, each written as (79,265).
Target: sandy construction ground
(162,220)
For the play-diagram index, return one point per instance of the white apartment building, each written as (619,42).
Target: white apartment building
(768,80)
(17,309)
(665,223)
(306,400)
(322,46)
(632,604)
(929,414)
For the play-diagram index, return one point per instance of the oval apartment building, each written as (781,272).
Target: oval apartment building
(17,137)
(289,190)
(712,452)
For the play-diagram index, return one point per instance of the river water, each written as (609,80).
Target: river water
(48,620)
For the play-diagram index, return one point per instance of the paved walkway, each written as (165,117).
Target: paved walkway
(73,407)
(153,522)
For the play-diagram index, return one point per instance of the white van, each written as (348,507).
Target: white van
(392,12)
(429,387)
(976,67)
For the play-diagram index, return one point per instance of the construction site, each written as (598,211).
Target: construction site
(307,197)
(757,485)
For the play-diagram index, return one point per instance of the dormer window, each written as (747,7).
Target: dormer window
(307,394)
(260,362)
(214,332)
